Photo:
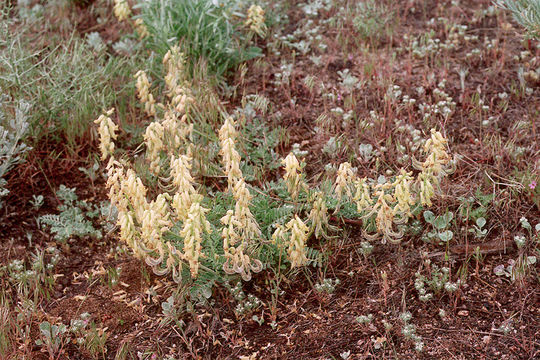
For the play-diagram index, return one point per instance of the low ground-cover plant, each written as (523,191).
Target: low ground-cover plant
(75,217)
(205,233)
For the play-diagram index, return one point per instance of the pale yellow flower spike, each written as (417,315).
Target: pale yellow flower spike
(182,179)
(297,242)
(107,133)
(194,226)
(122,10)
(241,194)
(345,176)
(143,92)
(241,226)
(362,196)
(433,167)
(231,157)
(141,29)
(293,175)
(134,190)
(385,216)
(427,191)
(153,139)
(255,20)
(437,155)
(402,193)
(319,215)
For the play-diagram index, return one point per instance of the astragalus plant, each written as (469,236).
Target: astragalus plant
(232,227)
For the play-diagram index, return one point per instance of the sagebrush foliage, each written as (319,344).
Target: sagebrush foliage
(525,12)
(13,131)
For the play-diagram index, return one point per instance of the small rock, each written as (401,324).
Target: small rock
(463,313)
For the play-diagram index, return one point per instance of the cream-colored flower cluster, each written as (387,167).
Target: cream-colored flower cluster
(230,157)
(318,215)
(241,230)
(255,20)
(194,225)
(122,11)
(144,94)
(107,133)
(391,203)
(153,138)
(185,186)
(141,28)
(345,177)
(436,164)
(143,223)
(293,175)
(170,133)
(294,235)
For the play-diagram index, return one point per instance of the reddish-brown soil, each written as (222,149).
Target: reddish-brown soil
(308,324)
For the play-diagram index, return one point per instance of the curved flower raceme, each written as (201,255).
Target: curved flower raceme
(107,133)
(319,215)
(293,175)
(242,228)
(345,177)
(194,226)
(144,94)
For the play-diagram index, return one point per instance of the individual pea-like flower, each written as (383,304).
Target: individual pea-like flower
(255,20)
(122,10)
(279,235)
(194,226)
(107,133)
(293,175)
